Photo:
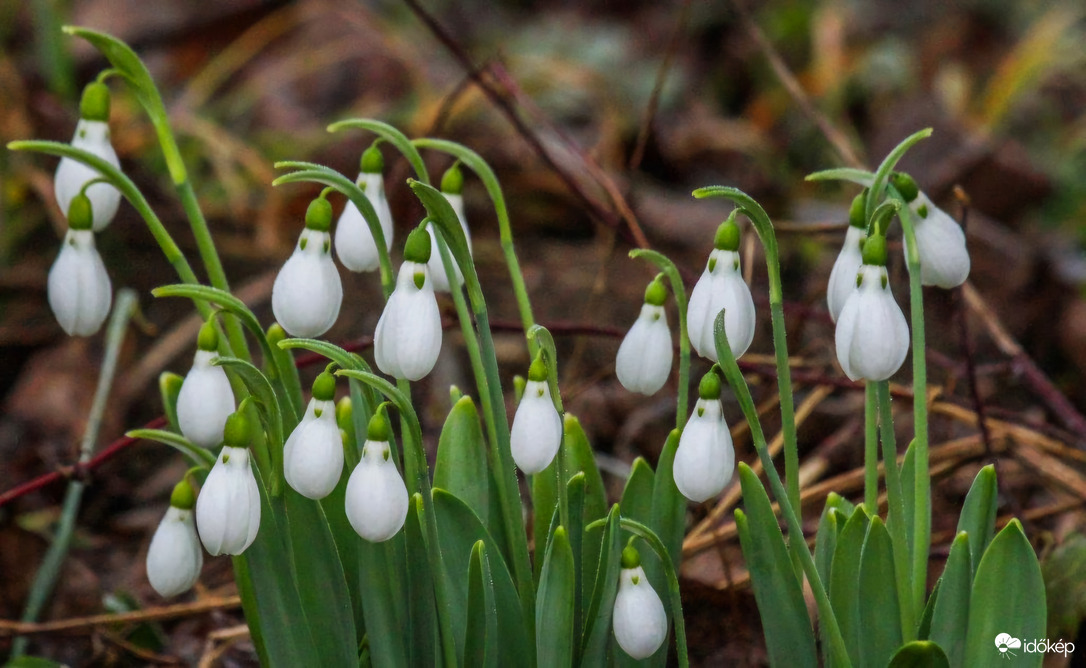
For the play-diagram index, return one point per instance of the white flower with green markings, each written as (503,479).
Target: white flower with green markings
(308,293)
(940,240)
(721,286)
(376,497)
(407,340)
(175,558)
(536,433)
(79,291)
(639,621)
(644,359)
(91,135)
(206,399)
(313,454)
(228,507)
(452,184)
(354,242)
(705,458)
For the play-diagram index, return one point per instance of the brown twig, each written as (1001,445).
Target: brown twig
(11,627)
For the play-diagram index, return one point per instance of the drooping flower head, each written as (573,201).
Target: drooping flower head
(91,135)
(206,399)
(639,621)
(705,458)
(354,241)
(307,292)
(536,433)
(174,559)
(228,508)
(408,336)
(721,286)
(940,240)
(872,335)
(313,454)
(452,184)
(644,359)
(79,290)
(843,276)
(376,497)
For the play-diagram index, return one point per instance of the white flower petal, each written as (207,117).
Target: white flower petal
(940,242)
(872,335)
(721,288)
(205,401)
(93,137)
(843,277)
(376,497)
(705,458)
(174,559)
(228,507)
(537,429)
(307,293)
(354,242)
(639,621)
(407,340)
(79,290)
(643,363)
(437,268)
(313,454)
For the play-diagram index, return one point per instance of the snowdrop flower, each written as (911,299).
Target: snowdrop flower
(307,292)
(721,286)
(536,433)
(313,454)
(872,335)
(205,400)
(228,508)
(639,621)
(376,497)
(354,242)
(408,336)
(940,240)
(79,290)
(843,276)
(451,185)
(174,559)
(91,135)
(705,458)
(644,358)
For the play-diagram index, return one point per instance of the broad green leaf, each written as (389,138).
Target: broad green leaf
(920,654)
(575,523)
(1008,597)
(597,626)
(950,617)
(879,610)
(553,613)
(923,630)
(544,507)
(668,504)
(420,617)
(461,466)
(481,639)
(979,515)
(834,515)
(347,545)
(845,580)
(789,637)
(636,499)
(579,458)
(1064,570)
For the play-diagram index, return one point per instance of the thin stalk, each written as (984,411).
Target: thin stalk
(871,448)
(895,512)
(46,578)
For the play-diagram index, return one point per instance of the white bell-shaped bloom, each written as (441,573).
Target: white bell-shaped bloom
(872,335)
(940,242)
(376,498)
(313,454)
(705,458)
(79,290)
(307,292)
(354,242)
(537,429)
(408,336)
(93,137)
(228,507)
(174,559)
(639,621)
(205,401)
(721,286)
(437,269)
(644,358)
(845,268)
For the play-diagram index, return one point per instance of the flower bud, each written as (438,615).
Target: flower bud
(639,621)
(79,290)
(843,276)
(872,336)
(721,286)
(307,293)
(228,508)
(407,340)
(536,433)
(313,454)
(644,359)
(705,458)
(940,243)
(437,267)
(174,559)
(354,241)
(376,497)
(91,135)
(206,399)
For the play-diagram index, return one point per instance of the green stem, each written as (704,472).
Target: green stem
(650,537)
(895,512)
(871,448)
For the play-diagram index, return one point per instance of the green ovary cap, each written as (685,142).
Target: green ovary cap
(417,247)
(874,252)
(236,431)
(372,161)
(324,387)
(378,429)
(905,185)
(630,557)
(276,333)
(208,338)
(857,216)
(319,215)
(182,496)
(727,235)
(538,370)
(709,387)
(656,292)
(452,182)
(94,105)
(80,214)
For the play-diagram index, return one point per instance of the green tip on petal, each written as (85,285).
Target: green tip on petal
(905,185)
(727,235)
(372,161)
(630,557)
(417,247)
(208,339)
(538,370)
(709,387)
(452,182)
(94,105)
(236,431)
(319,215)
(656,292)
(324,387)
(378,429)
(874,252)
(182,496)
(80,214)
(857,216)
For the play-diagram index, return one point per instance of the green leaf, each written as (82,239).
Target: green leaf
(920,654)
(636,499)
(553,612)
(32,662)
(882,174)
(789,636)
(544,507)
(169,386)
(879,607)
(1008,597)
(978,514)
(1064,570)
(834,515)
(420,614)
(461,466)
(845,580)
(923,630)
(950,617)
(575,523)
(197,455)
(262,391)
(597,626)
(578,457)
(858,176)
(481,640)
(668,504)
(347,545)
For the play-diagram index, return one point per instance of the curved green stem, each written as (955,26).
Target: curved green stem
(392,136)
(650,537)
(875,194)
